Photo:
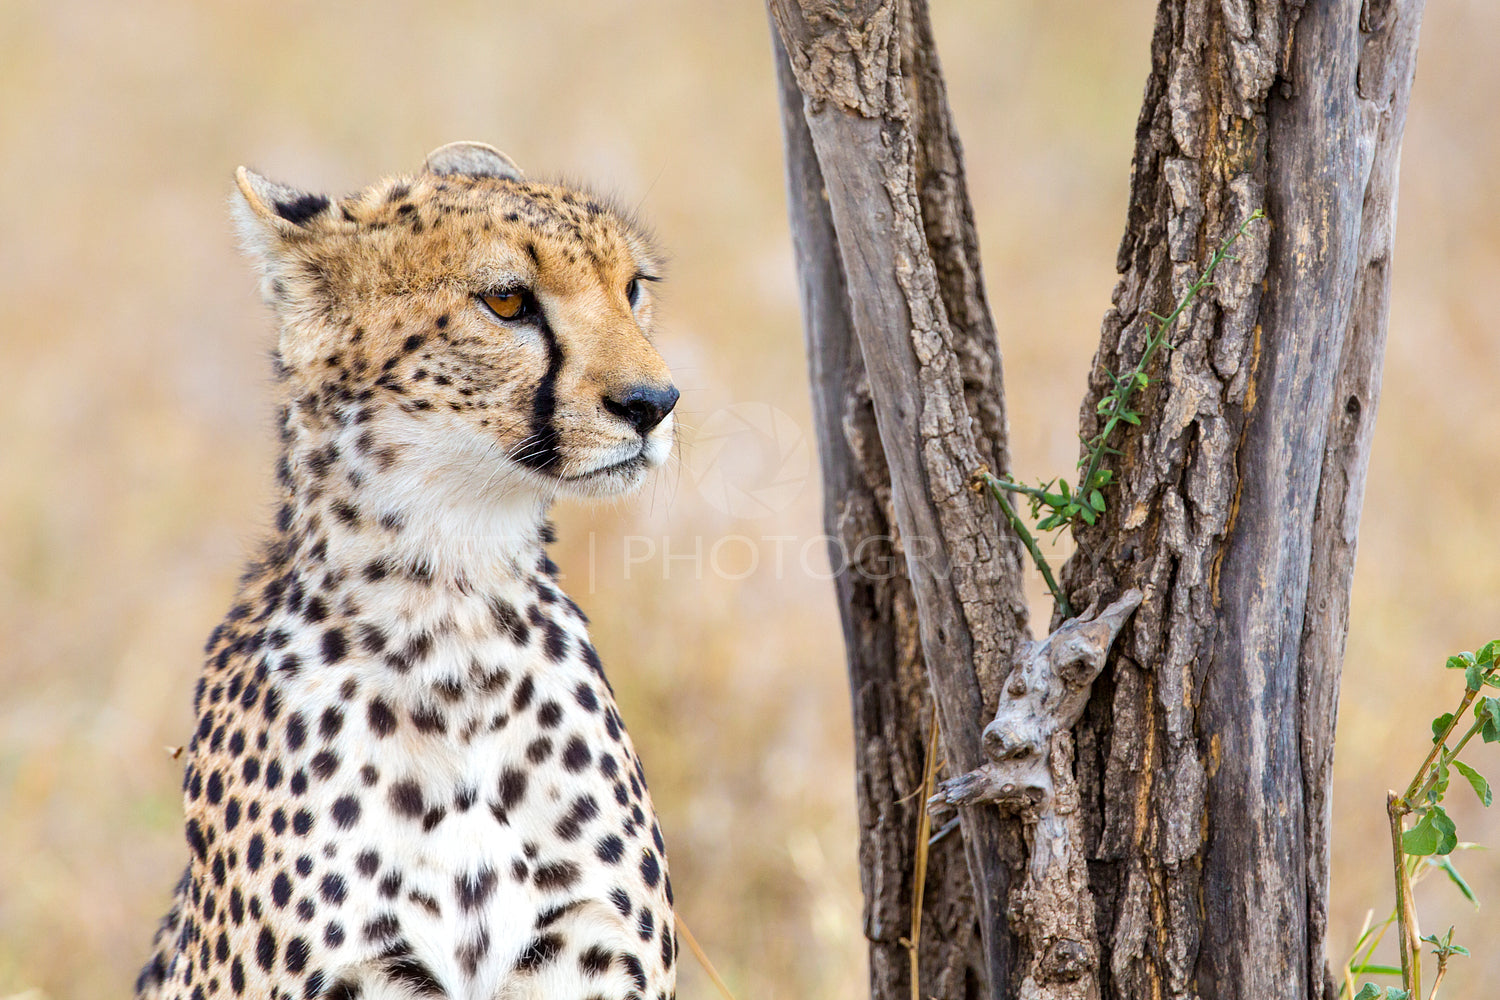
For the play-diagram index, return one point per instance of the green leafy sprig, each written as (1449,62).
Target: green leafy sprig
(1425,846)
(1056,505)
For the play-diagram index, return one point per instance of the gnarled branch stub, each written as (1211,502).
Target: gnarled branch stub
(1045,694)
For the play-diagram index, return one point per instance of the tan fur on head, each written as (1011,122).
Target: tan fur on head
(380,297)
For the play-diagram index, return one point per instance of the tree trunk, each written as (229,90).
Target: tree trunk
(891,691)
(891,699)
(1204,756)
(1207,749)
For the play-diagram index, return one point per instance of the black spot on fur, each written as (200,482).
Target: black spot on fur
(281,890)
(371,637)
(265,949)
(296,731)
(633,967)
(474,890)
(302,208)
(382,718)
(555,875)
(509,621)
(295,957)
(650,869)
(333,888)
(584,694)
(324,763)
(521,699)
(557,642)
(540,952)
(610,849)
(596,960)
(409,971)
(345,811)
(382,927)
(512,787)
(429,719)
(342,990)
(576,755)
(668,947)
(406,798)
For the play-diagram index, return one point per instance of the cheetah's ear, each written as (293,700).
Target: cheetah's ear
(275,206)
(270,218)
(473,158)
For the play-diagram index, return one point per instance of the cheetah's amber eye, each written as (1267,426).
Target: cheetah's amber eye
(508,304)
(633,288)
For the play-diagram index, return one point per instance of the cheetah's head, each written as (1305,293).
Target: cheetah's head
(491,333)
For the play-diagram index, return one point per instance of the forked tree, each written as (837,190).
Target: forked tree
(1203,757)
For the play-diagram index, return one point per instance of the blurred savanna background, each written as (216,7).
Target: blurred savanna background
(136,447)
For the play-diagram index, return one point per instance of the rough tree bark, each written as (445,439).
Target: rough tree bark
(887,680)
(1203,758)
(1206,751)
(891,692)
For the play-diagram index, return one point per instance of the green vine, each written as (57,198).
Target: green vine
(1426,846)
(1065,506)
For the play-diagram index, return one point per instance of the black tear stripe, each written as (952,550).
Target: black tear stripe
(540,450)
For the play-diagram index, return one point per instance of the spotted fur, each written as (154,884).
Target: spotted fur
(409,777)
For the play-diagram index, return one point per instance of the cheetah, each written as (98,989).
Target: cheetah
(409,777)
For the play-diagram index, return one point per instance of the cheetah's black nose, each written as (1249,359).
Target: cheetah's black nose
(643,406)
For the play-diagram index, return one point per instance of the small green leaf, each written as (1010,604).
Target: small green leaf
(1103,477)
(1141,380)
(1441,725)
(1447,832)
(1369,991)
(1488,709)
(1062,484)
(1481,786)
(1096,501)
(1488,652)
(1131,417)
(1449,869)
(1088,515)
(1397,993)
(1458,949)
(1455,663)
(1474,676)
(1422,839)
(1433,834)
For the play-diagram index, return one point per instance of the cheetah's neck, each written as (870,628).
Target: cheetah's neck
(360,498)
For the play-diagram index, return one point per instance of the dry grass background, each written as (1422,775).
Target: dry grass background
(135,456)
